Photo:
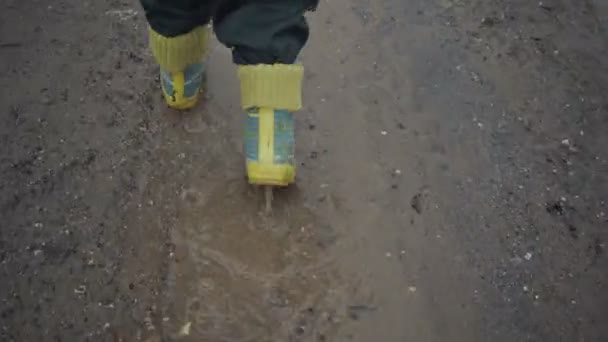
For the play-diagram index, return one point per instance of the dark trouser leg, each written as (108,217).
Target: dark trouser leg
(263,32)
(172,18)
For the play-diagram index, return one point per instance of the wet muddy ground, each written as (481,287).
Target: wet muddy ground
(452,181)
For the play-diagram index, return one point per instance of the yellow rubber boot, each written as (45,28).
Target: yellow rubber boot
(270,94)
(182,68)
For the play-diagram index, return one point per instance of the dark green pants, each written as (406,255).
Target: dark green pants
(257,31)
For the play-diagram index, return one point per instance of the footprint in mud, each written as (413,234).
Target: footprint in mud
(238,274)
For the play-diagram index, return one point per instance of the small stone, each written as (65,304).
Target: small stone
(525,288)
(82,289)
(475,77)
(412,289)
(516,260)
(383,132)
(388,254)
(528,256)
(185,330)
(488,21)
(417,203)
(566,142)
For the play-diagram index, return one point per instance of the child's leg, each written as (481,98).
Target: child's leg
(266,37)
(179,36)
(172,18)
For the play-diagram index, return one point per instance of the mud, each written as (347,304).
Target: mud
(452,181)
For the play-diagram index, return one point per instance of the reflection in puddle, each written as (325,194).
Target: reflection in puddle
(239,275)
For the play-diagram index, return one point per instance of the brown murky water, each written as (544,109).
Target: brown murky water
(245,275)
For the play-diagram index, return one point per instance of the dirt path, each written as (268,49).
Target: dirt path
(452,184)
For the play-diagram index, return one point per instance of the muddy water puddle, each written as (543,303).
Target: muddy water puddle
(238,274)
